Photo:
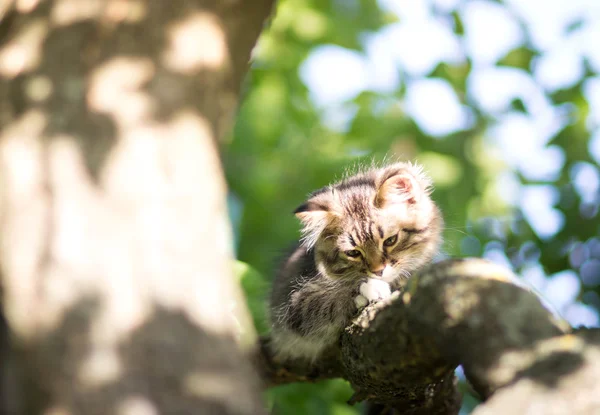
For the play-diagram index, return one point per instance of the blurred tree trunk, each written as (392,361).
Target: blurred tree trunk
(114,238)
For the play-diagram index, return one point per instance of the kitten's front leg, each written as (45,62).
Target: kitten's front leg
(310,318)
(372,290)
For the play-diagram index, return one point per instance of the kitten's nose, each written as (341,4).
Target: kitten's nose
(379,271)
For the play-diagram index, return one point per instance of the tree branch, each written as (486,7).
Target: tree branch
(402,352)
(555,376)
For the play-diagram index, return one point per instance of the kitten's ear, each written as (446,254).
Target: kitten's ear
(312,212)
(405,184)
(310,206)
(315,214)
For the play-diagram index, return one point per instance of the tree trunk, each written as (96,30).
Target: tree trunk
(114,239)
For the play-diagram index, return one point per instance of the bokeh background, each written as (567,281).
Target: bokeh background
(499,100)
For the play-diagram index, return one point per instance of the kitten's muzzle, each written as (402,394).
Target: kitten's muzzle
(377,272)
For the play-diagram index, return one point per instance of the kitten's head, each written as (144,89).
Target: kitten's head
(380,224)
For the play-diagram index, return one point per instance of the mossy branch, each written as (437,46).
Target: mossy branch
(402,352)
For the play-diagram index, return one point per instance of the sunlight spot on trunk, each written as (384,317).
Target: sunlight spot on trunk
(39,88)
(196,43)
(24,51)
(91,252)
(101,367)
(26,6)
(137,405)
(115,89)
(211,385)
(22,206)
(21,151)
(130,11)
(164,196)
(67,12)
(57,410)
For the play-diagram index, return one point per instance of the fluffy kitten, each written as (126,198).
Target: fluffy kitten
(361,238)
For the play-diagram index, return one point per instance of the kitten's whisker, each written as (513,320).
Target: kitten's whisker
(457,230)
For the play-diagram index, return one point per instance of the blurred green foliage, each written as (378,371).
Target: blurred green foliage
(254,286)
(281,149)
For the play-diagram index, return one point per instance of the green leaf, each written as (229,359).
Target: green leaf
(456,75)
(459,28)
(518,58)
(518,105)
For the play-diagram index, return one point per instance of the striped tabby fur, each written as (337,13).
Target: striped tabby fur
(361,236)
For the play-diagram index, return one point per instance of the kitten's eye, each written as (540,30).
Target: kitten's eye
(390,241)
(353,253)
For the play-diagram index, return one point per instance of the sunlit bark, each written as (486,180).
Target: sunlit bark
(114,239)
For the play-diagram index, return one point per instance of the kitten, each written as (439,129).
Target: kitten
(362,237)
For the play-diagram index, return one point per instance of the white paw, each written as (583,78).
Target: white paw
(360,301)
(374,290)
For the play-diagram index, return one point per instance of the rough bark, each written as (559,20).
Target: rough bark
(114,239)
(554,377)
(402,353)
